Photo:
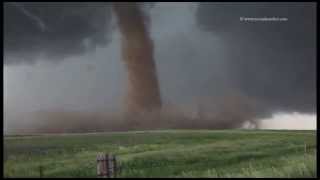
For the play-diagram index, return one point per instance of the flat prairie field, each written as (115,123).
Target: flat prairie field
(165,153)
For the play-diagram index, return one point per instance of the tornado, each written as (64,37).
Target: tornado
(143,93)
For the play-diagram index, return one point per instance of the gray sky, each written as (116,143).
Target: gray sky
(195,60)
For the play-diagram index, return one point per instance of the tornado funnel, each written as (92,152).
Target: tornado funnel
(137,54)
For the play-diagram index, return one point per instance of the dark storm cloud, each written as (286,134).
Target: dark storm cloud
(54,30)
(272,61)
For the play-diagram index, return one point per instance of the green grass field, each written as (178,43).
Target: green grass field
(171,153)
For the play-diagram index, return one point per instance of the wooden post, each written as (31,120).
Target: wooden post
(110,166)
(41,171)
(115,166)
(101,165)
(305,148)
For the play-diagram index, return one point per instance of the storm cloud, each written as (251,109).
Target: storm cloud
(53,31)
(271,61)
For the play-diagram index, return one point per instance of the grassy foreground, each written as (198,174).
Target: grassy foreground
(172,153)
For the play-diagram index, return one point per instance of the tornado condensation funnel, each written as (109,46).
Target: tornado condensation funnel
(137,53)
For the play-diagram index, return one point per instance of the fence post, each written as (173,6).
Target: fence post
(305,148)
(106,165)
(115,167)
(101,165)
(41,171)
